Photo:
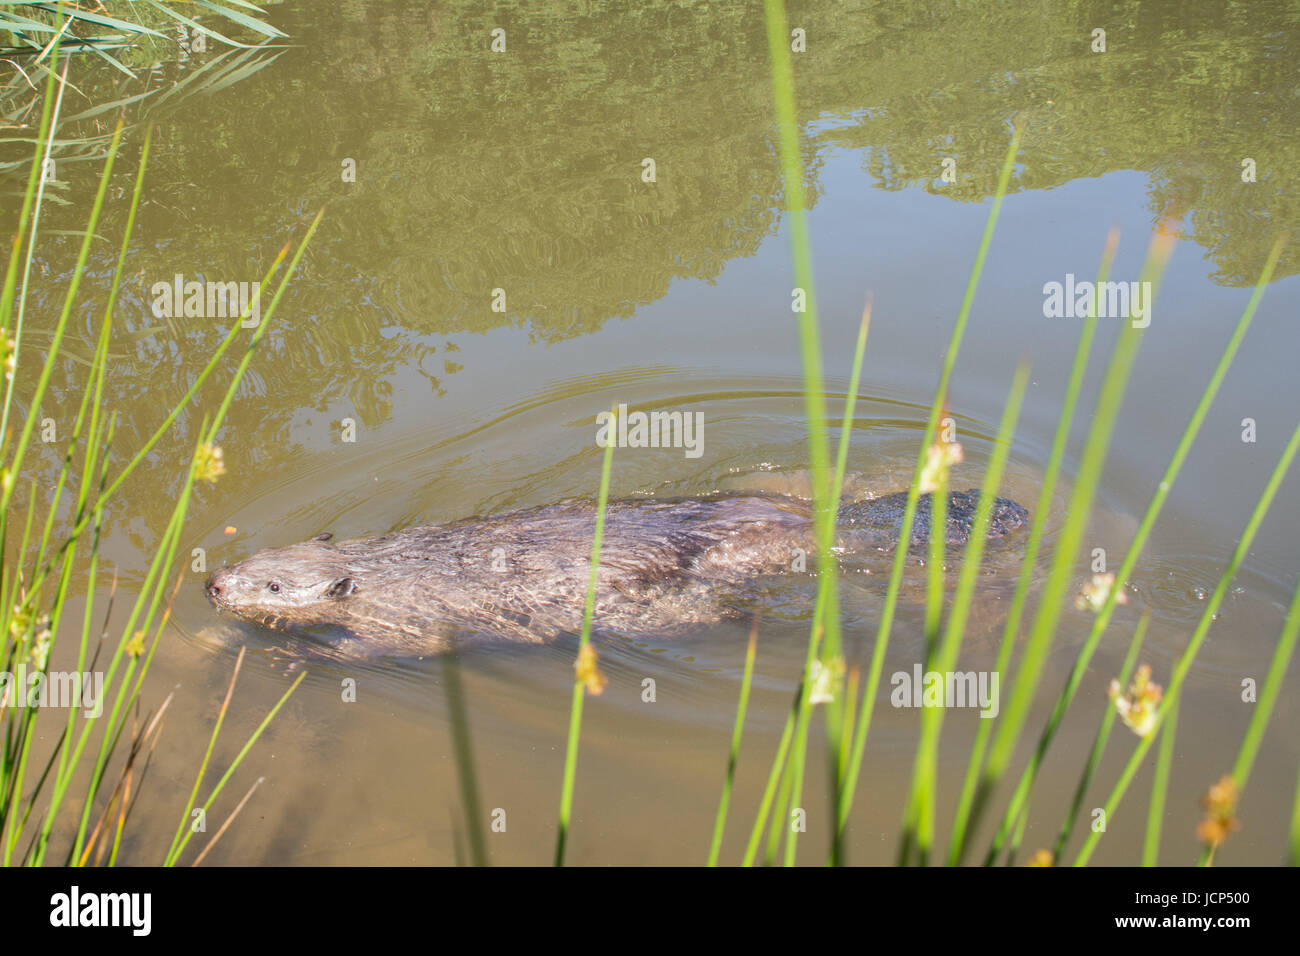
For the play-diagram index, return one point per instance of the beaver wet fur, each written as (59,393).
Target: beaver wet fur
(667,566)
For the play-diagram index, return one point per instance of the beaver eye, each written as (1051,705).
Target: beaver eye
(275,587)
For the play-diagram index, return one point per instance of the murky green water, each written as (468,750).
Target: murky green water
(523,171)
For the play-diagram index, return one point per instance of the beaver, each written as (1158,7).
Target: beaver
(667,566)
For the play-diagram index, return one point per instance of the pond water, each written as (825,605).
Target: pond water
(523,171)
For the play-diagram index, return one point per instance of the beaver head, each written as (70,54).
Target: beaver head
(300,584)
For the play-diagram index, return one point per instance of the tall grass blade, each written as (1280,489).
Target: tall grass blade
(1160,788)
(825,498)
(773,781)
(1080,665)
(32,203)
(957,841)
(801,706)
(584,644)
(1099,744)
(920,828)
(1273,680)
(1185,661)
(872,683)
(1029,673)
(715,845)
(234,764)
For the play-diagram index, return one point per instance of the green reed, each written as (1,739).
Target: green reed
(1053,597)
(801,711)
(130,37)
(580,684)
(934,577)
(1020,798)
(1184,663)
(825,498)
(34,601)
(178,842)
(1159,788)
(1263,711)
(824,643)
(918,829)
(843,772)
(1099,742)
(715,846)
(114,25)
(842,789)
(769,791)
(780,773)
(885,626)
(1032,546)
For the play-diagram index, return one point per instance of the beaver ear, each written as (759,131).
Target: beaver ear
(323,536)
(341,588)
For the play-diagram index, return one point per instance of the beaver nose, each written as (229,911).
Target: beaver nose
(216,583)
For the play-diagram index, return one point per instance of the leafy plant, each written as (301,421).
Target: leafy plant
(36,574)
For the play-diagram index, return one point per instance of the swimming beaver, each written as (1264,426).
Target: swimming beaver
(666,566)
